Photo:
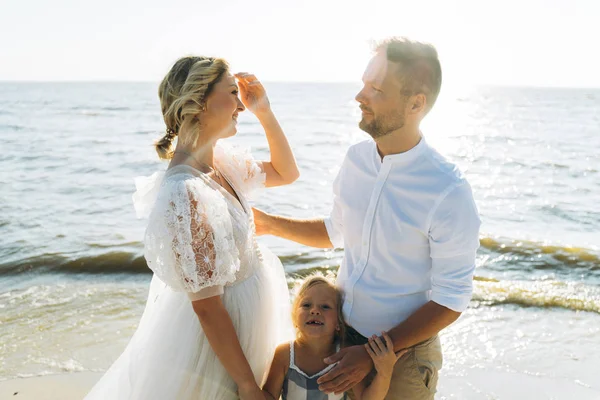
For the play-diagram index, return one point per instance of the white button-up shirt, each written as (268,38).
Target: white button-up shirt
(410,231)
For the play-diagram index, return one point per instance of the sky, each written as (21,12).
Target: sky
(511,42)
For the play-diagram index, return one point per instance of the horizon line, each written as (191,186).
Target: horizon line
(474,85)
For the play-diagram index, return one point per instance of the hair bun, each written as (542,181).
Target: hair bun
(171,133)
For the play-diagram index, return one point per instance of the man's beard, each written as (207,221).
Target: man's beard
(381,126)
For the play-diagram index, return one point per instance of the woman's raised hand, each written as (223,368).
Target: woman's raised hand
(253,94)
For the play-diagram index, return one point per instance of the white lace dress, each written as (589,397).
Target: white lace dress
(200,242)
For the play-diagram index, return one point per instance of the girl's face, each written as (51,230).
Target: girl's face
(317,315)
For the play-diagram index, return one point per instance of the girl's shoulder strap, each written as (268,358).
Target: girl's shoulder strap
(292,361)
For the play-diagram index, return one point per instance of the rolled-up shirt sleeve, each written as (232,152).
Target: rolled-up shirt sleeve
(334,223)
(453,241)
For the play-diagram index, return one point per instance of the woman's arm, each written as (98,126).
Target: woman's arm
(221,335)
(281,361)
(282,168)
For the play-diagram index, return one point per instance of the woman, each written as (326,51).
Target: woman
(208,328)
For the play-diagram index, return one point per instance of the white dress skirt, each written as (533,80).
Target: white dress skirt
(169,356)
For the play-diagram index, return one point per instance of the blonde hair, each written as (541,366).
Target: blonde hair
(183,94)
(420,70)
(319,279)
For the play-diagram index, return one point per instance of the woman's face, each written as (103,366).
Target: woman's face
(222,108)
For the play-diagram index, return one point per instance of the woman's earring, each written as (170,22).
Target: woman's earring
(203,107)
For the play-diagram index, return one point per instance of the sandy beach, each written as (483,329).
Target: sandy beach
(480,384)
(51,387)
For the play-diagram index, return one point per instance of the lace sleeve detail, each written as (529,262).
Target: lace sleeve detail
(189,241)
(240,166)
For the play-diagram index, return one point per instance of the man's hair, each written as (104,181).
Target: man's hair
(419,66)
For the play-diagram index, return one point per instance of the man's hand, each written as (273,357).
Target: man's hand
(261,222)
(354,363)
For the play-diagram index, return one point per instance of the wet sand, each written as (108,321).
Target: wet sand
(51,387)
(478,384)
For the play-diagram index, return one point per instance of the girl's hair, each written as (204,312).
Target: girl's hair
(309,282)
(183,94)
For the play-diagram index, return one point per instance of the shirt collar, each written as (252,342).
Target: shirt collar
(401,158)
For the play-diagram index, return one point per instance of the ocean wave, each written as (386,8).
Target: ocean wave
(308,259)
(115,108)
(69,365)
(108,263)
(127,262)
(106,108)
(488,291)
(544,256)
(495,253)
(574,296)
(11,127)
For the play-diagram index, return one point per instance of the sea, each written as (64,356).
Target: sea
(73,281)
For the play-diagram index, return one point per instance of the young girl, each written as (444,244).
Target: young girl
(317,316)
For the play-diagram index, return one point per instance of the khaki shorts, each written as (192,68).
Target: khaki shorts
(415,374)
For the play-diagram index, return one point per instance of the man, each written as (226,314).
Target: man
(408,224)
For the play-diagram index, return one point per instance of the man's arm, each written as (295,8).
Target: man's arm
(322,233)
(354,363)
(309,232)
(453,243)
(424,323)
